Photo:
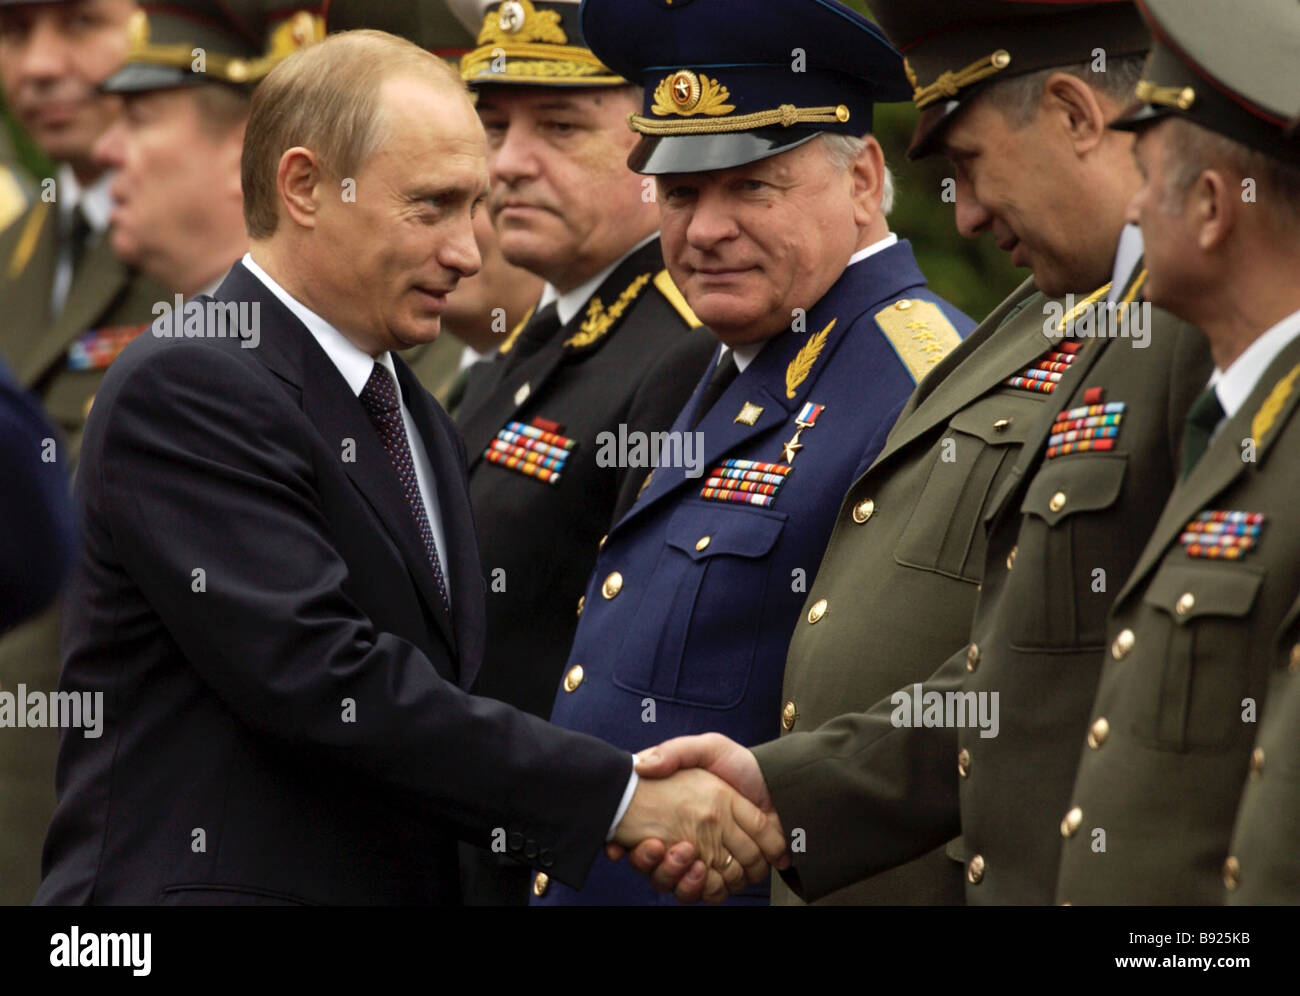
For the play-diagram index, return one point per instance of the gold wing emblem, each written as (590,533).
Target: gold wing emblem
(600,319)
(801,366)
(1272,406)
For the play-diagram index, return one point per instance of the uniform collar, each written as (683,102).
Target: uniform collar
(568,305)
(95,201)
(1234,385)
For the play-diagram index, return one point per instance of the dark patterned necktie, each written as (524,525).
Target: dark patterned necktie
(1202,419)
(379,397)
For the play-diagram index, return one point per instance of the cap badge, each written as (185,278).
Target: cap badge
(519,21)
(688,94)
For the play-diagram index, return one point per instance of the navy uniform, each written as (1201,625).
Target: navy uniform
(1199,638)
(687,616)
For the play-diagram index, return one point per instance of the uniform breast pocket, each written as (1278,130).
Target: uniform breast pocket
(1059,570)
(1191,695)
(944,533)
(705,598)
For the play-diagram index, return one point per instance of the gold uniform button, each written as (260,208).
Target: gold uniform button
(1011,557)
(1231,873)
(703,542)
(1098,733)
(963,763)
(1002,425)
(573,679)
(975,870)
(1071,823)
(1123,644)
(541,883)
(817,611)
(613,585)
(788,715)
(1058,501)
(903,305)
(972,657)
(582,600)
(863,510)
(1294,663)
(1257,762)
(1186,601)
(601,544)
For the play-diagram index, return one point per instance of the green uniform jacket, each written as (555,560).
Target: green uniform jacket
(1191,645)
(871,792)
(104,295)
(907,555)
(437,365)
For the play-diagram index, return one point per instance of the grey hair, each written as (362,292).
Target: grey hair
(1018,97)
(1191,149)
(842,150)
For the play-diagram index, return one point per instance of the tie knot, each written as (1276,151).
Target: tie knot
(380,393)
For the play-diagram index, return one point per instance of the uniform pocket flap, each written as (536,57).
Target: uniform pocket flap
(1068,485)
(706,529)
(1001,419)
(1188,591)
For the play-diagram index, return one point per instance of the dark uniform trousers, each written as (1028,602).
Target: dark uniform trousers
(907,556)
(1065,529)
(1203,625)
(540,518)
(62,360)
(688,614)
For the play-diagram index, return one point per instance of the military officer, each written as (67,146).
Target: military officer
(69,306)
(611,350)
(1065,525)
(764,176)
(485,307)
(1202,630)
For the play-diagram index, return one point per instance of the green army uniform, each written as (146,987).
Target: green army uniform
(1200,637)
(437,365)
(869,792)
(63,358)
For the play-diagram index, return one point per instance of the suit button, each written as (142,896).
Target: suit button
(963,763)
(1002,425)
(1295,659)
(546,857)
(1231,873)
(541,883)
(975,870)
(613,585)
(1185,603)
(972,657)
(1011,557)
(1123,644)
(817,611)
(573,679)
(703,542)
(530,850)
(515,841)
(863,510)
(1098,733)
(1073,820)
(601,544)
(1057,502)
(788,715)
(1257,762)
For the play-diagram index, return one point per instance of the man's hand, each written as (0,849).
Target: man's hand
(675,868)
(733,838)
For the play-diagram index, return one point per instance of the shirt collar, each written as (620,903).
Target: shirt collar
(568,305)
(1234,385)
(95,201)
(1127,254)
(354,363)
(872,249)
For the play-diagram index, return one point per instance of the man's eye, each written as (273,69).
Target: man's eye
(560,127)
(679,193)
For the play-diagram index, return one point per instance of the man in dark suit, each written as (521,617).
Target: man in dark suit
(280,595)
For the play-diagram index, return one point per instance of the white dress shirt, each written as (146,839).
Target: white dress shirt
(355,366)
(570,304)
(1233,386)
(96,204)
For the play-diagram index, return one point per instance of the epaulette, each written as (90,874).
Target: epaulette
(665,286)
(919,332)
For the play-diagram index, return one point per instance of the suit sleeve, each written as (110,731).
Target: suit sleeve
(211,500)
(868,795)
(37,533)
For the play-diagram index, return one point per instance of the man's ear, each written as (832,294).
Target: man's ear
(1075,104)
(297,180)
(1212,205)
(867,174)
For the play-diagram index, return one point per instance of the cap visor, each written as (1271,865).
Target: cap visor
(697,153)
(140,77)
(1138,117)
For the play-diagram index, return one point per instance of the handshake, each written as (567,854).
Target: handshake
(701,823)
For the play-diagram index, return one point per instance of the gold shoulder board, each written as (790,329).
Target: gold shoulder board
(919,332)
(664,284)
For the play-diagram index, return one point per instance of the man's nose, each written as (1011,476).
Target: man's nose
(972,217)
(109,149)
(515,158)
(45,54)
(711,221)
(460,252)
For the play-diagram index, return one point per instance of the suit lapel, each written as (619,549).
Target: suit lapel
(464,568)
(1270,406)
(101,278)
(328,402)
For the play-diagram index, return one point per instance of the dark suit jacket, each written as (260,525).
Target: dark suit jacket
(285,710)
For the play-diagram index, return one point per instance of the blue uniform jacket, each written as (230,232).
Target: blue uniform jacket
(686,619)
